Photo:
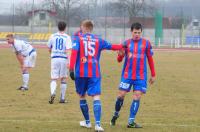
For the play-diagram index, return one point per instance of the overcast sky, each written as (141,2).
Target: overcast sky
(6,5)
(170,6)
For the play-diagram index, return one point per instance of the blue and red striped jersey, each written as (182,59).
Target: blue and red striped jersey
(135,65)
(78,33)
(89,47)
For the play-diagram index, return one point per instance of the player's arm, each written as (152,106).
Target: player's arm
(117,46)
(49,44)
(151,64)
(109,46)
(73,58)
(68,52)
(72,63)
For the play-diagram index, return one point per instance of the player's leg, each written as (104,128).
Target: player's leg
(54,77)
(97,112)
(118,105)
(63,87)
(25,78)
(25,74)
(124,87)
(81,87)
(63,75)
(139,89)
(94,90)
(29,62)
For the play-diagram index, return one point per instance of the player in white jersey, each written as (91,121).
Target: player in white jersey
(59,45)
(26,55)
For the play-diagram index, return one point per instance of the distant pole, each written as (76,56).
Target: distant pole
(106,20)
(32,21)
(124,22)
(158,27)
(13,17)
(68,16)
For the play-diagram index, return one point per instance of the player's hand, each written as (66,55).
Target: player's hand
(152,80)
(125,46)
(71,73)
(121,52)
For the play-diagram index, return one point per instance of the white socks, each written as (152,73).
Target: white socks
(53,86)
(63,87)
(25,78)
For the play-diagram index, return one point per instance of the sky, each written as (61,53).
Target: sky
(170,6)
(6,5)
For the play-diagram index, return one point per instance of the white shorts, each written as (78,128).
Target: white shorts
(58,68)
(29,61)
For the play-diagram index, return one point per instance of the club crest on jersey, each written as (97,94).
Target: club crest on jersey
(83,60)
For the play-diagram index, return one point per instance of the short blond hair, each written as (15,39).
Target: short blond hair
(88,25)
(10,35)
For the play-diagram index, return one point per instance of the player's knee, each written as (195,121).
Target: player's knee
(82,97)
(25,71)
(63,80)
(96,97)
(137,96)
(122,94)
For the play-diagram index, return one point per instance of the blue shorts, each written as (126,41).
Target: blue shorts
(126,84)
(90,85)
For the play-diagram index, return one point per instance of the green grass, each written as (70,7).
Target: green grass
(171,105)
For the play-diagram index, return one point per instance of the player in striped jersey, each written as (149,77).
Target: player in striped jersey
(26,55)
(134,73)
(59,46)
(85,59)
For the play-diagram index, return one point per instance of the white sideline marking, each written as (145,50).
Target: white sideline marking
(149,124)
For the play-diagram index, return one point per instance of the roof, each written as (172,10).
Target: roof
(51,13)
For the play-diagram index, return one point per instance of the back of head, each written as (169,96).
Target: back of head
(61,26)
(87,26)
(136,26)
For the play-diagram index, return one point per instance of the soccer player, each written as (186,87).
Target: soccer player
(134,73)
(59,45)
(26,55)
(85,57)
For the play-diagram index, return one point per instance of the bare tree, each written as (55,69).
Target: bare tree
(138,7)
(21,11)
(66,9)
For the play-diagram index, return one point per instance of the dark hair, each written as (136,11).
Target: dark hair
(61,26)
(136,25)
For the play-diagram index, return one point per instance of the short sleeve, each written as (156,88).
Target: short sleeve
(50,42)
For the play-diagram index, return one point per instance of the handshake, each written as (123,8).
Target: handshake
(72,75)
(124,46)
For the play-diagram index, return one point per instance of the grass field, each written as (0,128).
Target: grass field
(171,105)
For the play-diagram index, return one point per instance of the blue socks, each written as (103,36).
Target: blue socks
(118,105)
(97,111)
(85,110)
(133,110)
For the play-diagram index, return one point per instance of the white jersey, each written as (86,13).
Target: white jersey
(59,43)
(22,47)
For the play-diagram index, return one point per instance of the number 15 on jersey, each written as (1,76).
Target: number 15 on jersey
(89,47)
